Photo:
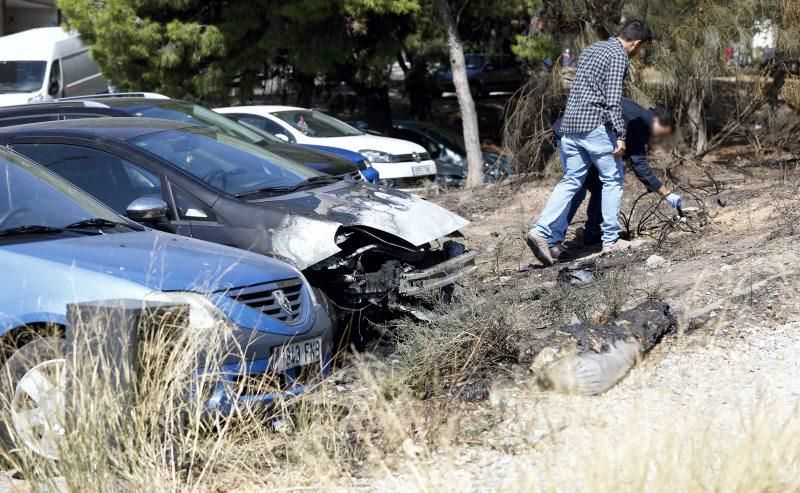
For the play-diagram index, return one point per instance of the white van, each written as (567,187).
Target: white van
(46,63)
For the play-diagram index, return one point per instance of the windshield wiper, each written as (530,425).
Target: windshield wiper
(314,180)
(94,223)
(260,191)
(31,229)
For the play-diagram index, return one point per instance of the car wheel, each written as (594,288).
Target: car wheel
(33,386)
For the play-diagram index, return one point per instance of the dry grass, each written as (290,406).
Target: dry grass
(327,438)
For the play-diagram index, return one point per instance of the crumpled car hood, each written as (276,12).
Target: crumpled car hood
(307,235)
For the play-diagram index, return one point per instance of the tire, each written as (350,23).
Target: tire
(39,364)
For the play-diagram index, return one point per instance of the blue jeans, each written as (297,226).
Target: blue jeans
(579,152)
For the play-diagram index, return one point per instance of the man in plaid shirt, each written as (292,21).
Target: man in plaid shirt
(593,132)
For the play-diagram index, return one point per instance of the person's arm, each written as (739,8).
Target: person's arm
(617,68)
(637,150)
(645,174)
(638,135)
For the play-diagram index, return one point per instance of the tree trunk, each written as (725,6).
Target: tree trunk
(696,118)
(469,116)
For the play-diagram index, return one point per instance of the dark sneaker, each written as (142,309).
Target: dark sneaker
(561,253)
(539,247)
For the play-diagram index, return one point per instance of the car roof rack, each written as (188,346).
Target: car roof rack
(147,95)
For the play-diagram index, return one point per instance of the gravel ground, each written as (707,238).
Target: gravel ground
(693,384)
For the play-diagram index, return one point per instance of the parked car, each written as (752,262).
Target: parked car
(60,246)
(448,150)
(399,163)
(272,130)
(486,73)
(149,105)
(46,63)
(362,245)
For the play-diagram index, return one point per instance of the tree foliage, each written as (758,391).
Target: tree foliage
(201,49)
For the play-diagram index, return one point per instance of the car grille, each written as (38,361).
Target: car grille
(267,298)
(405,158)
(362,165)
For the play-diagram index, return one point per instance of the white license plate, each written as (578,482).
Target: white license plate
(421,170)
(297,354)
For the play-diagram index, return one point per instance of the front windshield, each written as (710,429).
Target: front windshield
(32,197)
(316,124)
(449,138)
(195,114)
(21,76)
(229,165)
(474,61)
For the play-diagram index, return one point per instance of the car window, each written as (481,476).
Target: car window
(114,181)
(474,61)
(416,138)
(190,208)
(54,82)
(21,76)
(316,124)
(195,114)
(30,196)
(448,138)
(261,123)
(228,165)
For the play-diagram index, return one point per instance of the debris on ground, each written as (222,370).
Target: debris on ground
(590,359)
(655,261)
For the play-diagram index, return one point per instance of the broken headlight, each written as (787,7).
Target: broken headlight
(203,314)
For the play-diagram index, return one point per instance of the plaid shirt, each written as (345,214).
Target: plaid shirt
(594,99)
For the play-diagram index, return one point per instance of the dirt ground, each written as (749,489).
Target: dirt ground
(698,400)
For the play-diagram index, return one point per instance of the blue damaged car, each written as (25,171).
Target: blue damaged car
(60,246)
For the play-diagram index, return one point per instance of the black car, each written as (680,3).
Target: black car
(360,244)
(486,73)
(182,111)
(447,149)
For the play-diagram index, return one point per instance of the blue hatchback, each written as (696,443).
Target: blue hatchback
(59,246)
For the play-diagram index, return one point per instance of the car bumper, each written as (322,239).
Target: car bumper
(390,171)
(249,380)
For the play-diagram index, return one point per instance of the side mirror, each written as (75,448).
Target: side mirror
(54,88)
(147,209)
(283,137)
